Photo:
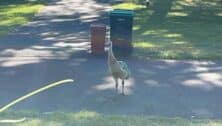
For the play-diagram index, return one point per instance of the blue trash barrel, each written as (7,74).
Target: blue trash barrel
(121,23)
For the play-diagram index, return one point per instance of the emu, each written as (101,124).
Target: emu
(118,69)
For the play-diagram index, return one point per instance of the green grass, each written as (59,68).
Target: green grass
(14,13)
(130,6)
(89,118)
(177,29)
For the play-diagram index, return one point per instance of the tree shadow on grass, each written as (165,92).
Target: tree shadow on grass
(183,27)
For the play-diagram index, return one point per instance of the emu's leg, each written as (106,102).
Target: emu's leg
(123,87)
(116,81)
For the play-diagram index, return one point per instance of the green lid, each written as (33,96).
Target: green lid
(122,12)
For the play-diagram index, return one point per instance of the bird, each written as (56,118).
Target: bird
(118,69)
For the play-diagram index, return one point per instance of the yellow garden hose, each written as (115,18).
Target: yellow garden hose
(29,95)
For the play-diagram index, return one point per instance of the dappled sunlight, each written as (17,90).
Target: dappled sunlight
(207,81)
(89,18)
(177,7)
(152,83)
(170,62)
(196,7)
(83,8)
(180,14)
(200,3)
(49,38)
(186,2)
(137,27)
(213,78)
(199,69)
(58,20)
(37,54)
(173,44)
(38,24)
(162,33)
(12,62)
(155,32)
(197,83)
(129,6)
(219,14)
(28,53)
(77,46)
(143,45)
(205,78)
(204,63)
(145,14)
(179,42)
(60,39)
(168,53)
(53,34)
(145,72)
(173,35)
(45,34)
(203,66)
(178,29)
(110,84)
(85,115)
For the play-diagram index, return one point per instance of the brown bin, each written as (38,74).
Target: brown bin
(98,37)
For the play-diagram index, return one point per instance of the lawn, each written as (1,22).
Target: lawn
(15,13)
(89,118)
(177,29)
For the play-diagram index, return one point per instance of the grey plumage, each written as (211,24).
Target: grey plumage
(118,69)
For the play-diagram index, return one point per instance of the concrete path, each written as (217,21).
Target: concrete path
(54,47)
(60,29)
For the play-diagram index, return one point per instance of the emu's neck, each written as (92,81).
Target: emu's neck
(111,57)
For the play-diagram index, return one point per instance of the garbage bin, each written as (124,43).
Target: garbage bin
(121,23)
(98,37)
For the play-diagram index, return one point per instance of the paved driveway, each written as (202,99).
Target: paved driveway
(54,46)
